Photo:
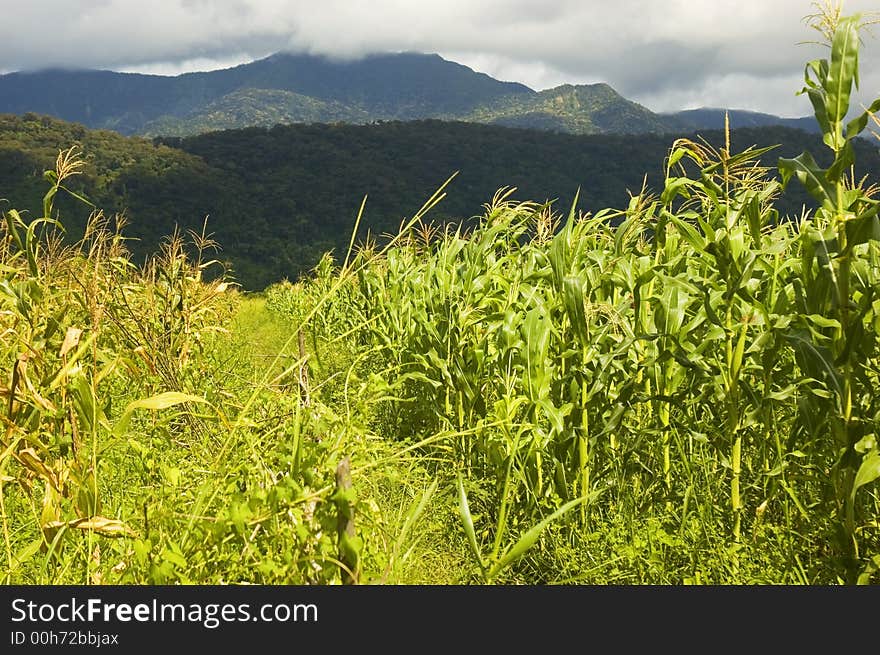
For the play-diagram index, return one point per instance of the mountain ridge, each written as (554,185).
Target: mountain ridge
(293,88)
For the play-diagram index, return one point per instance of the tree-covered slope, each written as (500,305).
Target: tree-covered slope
(713,118)
(582,109)
(277,198)
(401,86)
(255,108)
(298,88)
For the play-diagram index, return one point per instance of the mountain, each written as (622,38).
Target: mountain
(255,108)
(298,88)
(713,119)
(276,199)
(582,109)
(381,87)
(402,86)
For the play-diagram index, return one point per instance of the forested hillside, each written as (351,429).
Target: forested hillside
(298,88)
(277,198)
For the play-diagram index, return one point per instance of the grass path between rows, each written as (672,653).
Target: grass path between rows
(433,551)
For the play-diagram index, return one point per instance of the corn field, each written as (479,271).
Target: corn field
(695,358)
(681,391)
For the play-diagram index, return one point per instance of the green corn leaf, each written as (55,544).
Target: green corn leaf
(755,218)
(817,99)
(689,233)
(560,248)
(783,394)
(537,329)
(823,321)
(819,68)
(710,301)
(857,125)
(676,186)
(467,521)
(680,282)
(84,402)
(79,197)
(844,70)
(738,353)
(676,156)
(842,163)
(863,228)
(31,246)
(528,539)
(509,329)
(614,420)
(13,220)
(707,228)
(573,299)
(867,473)
(805,168)
(49,198)
(556,415)
(816,363)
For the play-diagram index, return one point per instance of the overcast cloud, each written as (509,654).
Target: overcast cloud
(666,54)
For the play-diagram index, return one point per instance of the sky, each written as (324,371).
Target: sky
(666,54)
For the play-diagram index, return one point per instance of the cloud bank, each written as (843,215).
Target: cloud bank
(667,55)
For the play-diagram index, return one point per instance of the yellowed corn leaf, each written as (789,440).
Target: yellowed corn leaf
(25,484)
(71,339)
(50,531)
(103,526)
(29,459)
(160,401)
(71,365)
(54,525)
(142,353)
(44,403)
(164,401)
(50,516)
(38,399)
(95,565)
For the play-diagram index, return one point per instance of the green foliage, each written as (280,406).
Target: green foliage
(272,197)
(841,244)
(682,390)
(694,356)
(585,109)
(254,108)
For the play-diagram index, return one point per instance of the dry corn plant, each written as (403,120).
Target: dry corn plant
(65,353)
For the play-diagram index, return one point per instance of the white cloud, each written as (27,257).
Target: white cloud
(666,54)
